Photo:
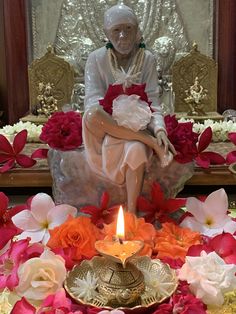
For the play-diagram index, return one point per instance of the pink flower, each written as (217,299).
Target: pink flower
(11,154)
(63,131)
(186,304)
(9,263)
(205,159)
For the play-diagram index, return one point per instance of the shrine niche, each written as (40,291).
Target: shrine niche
(195,86)
(51,81)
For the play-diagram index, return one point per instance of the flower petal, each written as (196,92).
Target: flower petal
(8,165)
(35,236)
(216,205)
(232,137)
(4,201)
(25,221)
(202,161)
(25,161)
(231,157)
(40,153)
(59,214)
(23,307)
(195,207)
(41,204)
(5,145)
(204,139)
(19,141)
(214,158)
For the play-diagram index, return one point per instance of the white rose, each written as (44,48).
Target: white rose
(41,276)
(209,277)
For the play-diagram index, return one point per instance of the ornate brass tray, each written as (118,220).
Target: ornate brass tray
(164,282)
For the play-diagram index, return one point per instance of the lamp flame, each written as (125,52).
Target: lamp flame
(120,225)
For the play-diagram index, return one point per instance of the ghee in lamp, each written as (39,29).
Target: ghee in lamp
(119,250)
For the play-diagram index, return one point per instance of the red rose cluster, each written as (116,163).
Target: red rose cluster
(63,130)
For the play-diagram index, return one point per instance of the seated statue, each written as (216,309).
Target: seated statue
(196,95)
(114,150)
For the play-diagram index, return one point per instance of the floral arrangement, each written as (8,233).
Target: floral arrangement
(40,242)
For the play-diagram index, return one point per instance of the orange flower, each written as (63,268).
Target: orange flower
(135,229)
(77,233)
(174,241)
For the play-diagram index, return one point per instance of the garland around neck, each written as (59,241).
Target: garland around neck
(131,76)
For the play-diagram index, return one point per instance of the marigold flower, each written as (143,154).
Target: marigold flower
(174,241)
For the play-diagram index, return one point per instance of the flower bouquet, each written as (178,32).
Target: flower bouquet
(41,242)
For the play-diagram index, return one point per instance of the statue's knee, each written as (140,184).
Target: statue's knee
(92,115)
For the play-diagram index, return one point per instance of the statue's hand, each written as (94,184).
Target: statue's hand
(162,140)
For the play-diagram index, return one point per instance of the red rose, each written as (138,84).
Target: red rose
(63,131)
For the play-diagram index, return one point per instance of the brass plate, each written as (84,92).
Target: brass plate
(149,297)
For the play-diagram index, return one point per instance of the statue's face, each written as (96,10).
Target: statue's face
(123,37)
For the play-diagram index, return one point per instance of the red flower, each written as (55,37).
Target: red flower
(158,208)
(186,304)
(22,307)
(223,244)
(11,154)
(101,215)
(114,91)
(231,156)
(63,131)
(205,159)
(183,138)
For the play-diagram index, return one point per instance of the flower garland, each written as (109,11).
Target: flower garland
(35,257)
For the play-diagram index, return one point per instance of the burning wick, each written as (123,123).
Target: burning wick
(120,241)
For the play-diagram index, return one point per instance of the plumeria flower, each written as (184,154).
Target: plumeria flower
(11,153)
(231,156)
(210,216)
(41,217)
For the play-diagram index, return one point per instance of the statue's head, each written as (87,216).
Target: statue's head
(121,28)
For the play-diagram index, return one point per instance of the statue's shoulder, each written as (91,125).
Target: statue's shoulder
(98,54)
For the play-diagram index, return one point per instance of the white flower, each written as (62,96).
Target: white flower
(126,79)
(42,216)
(131,112)
(209,277)
(111,312)
(85,288)
(210,217)
(41,276)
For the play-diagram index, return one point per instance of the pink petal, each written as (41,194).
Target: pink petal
(202,162)
(26,221)
(4,200)
(195,207)
(231,157)
(41,204)
(204,139)
(19,141)
(232,137)
(25,161)
(4,157)
(6,234)
(214,158)
(8,165)
(5,145)
(223,244)
(216,205)
(59,214)
(40,153)
(23,307)
(17,249)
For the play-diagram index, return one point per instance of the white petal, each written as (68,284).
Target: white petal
(194,206)
(216,204)
(35,236)
(41,205)
(230,227)
(24,220)
(59,214)
(193,224)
